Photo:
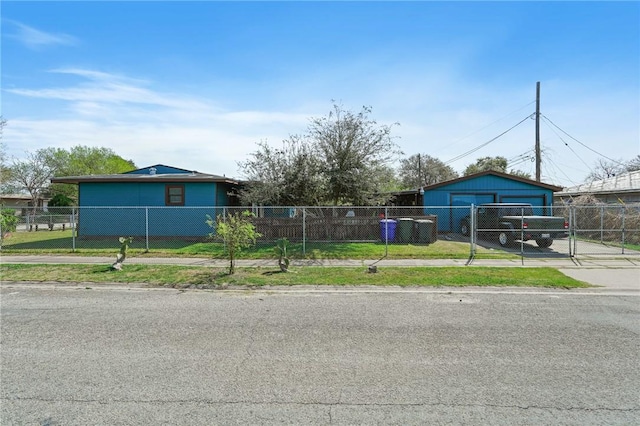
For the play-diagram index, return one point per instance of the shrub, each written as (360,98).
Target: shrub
(8,221)
(236,231)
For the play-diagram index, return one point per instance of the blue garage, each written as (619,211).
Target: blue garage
(451,200)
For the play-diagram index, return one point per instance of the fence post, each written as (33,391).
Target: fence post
(472,230)
(146,227)
(73,229)
(386,231)
(623,216)
(572,230)
(304,231)
(601,224)
(522,232)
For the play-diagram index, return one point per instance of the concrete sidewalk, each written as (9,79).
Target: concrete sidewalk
(610,273)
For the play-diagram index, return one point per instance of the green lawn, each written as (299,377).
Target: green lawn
(60,242)
(181,276)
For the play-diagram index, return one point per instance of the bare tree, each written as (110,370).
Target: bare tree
(5,171)
(633,164)
(32,175)
(604,169)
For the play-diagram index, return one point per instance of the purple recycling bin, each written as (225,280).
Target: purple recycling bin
(388,230)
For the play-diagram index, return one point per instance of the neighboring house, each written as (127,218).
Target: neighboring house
(163,200)
(21,203)
(479,188)
(622,188)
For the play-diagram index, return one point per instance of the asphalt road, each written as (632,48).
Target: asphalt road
(137,356)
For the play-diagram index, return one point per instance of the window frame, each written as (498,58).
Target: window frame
(168,195)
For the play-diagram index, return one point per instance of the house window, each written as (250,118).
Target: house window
(174,195)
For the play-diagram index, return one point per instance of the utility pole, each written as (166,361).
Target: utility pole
(538,160)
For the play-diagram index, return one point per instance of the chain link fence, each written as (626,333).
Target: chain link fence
(330,230)
(334,231)
(605,230)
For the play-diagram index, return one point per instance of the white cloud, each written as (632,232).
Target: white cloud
(35,39)
(147,126)
(438,115)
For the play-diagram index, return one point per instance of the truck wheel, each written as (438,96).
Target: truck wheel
(464,228)
(504,238)
(544,242)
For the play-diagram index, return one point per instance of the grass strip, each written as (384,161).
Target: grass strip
(60,242)
(205,277)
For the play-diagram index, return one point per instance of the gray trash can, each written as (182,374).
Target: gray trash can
(404,230)
(424,231)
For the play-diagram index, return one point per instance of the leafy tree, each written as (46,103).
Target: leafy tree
(60,204)
(288,176)
(33,173)
(352,146)
(498,164)
(520,173)
(341,159)
(236,231)
(83,160)
(422,169)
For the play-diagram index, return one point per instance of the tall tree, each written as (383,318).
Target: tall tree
(82,160)
(498,164)
(352,146)
(291,175)
(341,159)
(31,175)
(422,169)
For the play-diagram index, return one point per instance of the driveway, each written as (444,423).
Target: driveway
(559,248)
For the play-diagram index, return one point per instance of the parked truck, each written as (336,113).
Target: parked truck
(508,222)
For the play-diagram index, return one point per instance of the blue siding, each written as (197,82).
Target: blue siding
(144,194)
(483,189)
(119,209)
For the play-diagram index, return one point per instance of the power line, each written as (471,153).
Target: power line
(488,142)
(554,166)
(590,149)
(522,158)
(566,144)
(492,123)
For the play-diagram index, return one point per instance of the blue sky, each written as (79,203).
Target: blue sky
(197,84)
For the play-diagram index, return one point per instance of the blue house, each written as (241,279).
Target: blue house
(159,201)
(450,200)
